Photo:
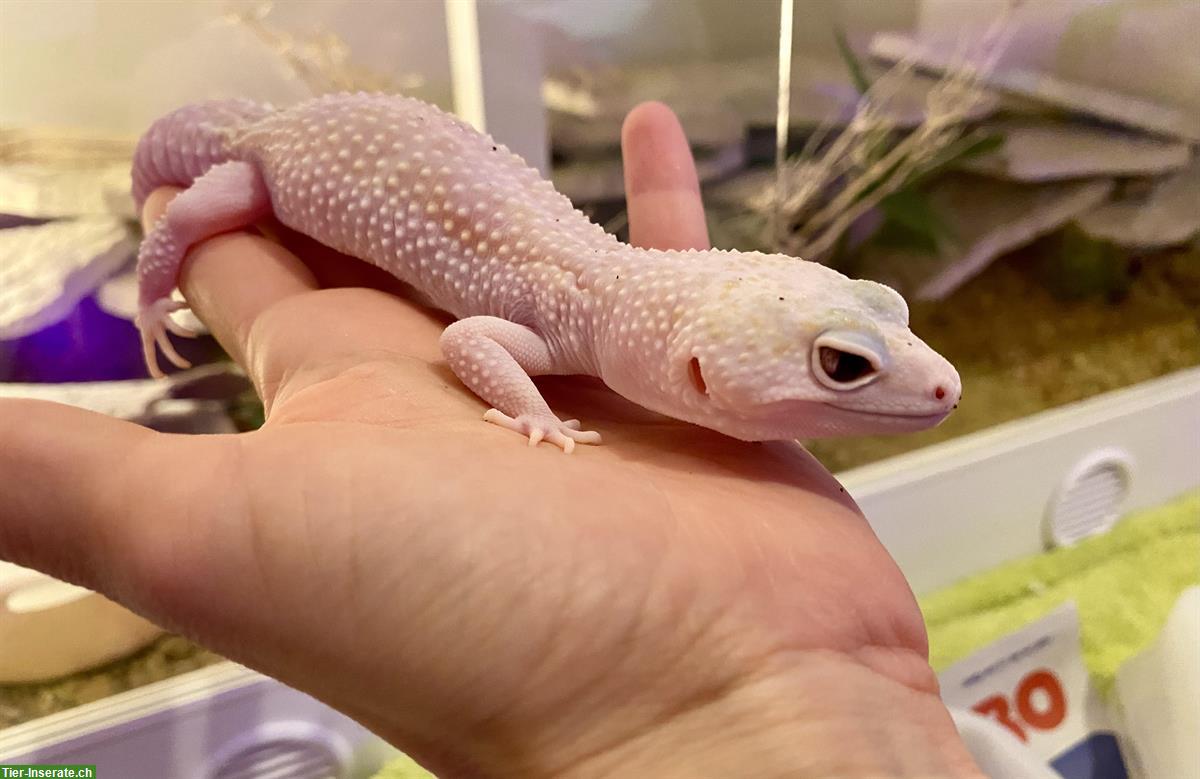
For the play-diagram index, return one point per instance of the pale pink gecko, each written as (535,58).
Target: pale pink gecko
(756,346)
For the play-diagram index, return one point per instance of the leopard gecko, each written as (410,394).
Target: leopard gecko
(755,346)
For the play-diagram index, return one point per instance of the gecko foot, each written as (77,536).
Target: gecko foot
(545,427)
(153,322)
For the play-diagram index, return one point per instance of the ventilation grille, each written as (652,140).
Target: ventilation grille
(290,758)
(1089,500)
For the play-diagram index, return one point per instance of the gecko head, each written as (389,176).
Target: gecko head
(814,355)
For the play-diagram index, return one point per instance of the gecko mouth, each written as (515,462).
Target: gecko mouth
(805,419)
(895,414)
(899,418)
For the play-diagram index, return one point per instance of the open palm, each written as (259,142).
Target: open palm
(479,602)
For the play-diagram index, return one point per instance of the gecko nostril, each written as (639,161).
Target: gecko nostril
(939,392)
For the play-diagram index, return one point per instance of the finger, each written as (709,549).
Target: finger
(662,192)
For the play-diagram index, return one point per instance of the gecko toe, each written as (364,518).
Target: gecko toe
(153,322)
(544,427)
(583,436)
(168,349)
(150,355)
(498,417)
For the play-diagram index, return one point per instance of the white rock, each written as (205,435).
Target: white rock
(1169,215)
(1043,150)
(984,219)
(1140,113)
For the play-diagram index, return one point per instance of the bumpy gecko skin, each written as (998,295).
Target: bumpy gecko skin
(756,346)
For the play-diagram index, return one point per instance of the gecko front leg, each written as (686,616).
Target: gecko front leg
(495,358)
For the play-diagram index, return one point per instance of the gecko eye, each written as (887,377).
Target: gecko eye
(844,361)
(843,367)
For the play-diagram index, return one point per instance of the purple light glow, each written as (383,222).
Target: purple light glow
(88,345)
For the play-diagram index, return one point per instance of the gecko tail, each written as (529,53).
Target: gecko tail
(183,145)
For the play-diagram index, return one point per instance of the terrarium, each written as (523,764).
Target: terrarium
(1024,173)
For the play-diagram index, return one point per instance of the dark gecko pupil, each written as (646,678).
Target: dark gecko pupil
(842,366)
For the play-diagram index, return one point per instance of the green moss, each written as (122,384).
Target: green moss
(1124,584)
(166,657)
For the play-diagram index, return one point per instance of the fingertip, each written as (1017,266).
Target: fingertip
(156,205)
(649,119)
(656,151)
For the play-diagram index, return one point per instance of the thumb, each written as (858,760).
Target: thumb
(74,486)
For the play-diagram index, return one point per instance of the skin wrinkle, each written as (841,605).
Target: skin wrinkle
(865,732)
(692,642)
(835,614)
(580,579)
(685,708)
(271,375)
(259,513)
(159,557)
(358,406)
(545,660)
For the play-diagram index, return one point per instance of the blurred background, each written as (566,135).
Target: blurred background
(1024,172)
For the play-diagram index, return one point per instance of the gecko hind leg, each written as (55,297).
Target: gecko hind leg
(230,196)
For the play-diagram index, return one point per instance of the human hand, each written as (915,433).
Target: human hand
(671,603)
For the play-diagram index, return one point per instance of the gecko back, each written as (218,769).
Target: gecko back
(401,184)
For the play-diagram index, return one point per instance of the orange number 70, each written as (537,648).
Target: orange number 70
(1047,717)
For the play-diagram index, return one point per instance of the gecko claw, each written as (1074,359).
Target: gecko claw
(544,427)
(153,322)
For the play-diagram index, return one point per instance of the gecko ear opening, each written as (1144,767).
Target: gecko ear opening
(696,376)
